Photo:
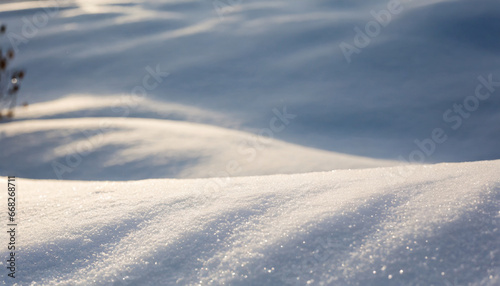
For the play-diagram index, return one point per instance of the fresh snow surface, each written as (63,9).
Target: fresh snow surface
(424,225)
(223,203)
(52,145)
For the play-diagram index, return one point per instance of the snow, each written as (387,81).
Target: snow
(439,226)
(172,142)
(52,145)
(270,54)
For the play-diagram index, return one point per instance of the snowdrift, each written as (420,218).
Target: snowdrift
(182,93)
(45,142)
(247,57)
(437,225)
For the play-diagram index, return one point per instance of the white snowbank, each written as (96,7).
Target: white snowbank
(114,148)
(407,225)
(438,226)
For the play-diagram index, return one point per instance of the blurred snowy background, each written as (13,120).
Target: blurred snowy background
(241,59)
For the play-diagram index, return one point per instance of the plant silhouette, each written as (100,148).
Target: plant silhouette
(10,80)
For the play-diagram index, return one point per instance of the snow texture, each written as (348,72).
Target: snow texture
(199,181)
(439,225)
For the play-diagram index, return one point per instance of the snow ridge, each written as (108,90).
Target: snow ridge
(439,226)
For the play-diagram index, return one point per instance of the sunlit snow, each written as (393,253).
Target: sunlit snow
(216,142)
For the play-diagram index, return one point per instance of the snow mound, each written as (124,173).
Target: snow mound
(138,148)
(437,226)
